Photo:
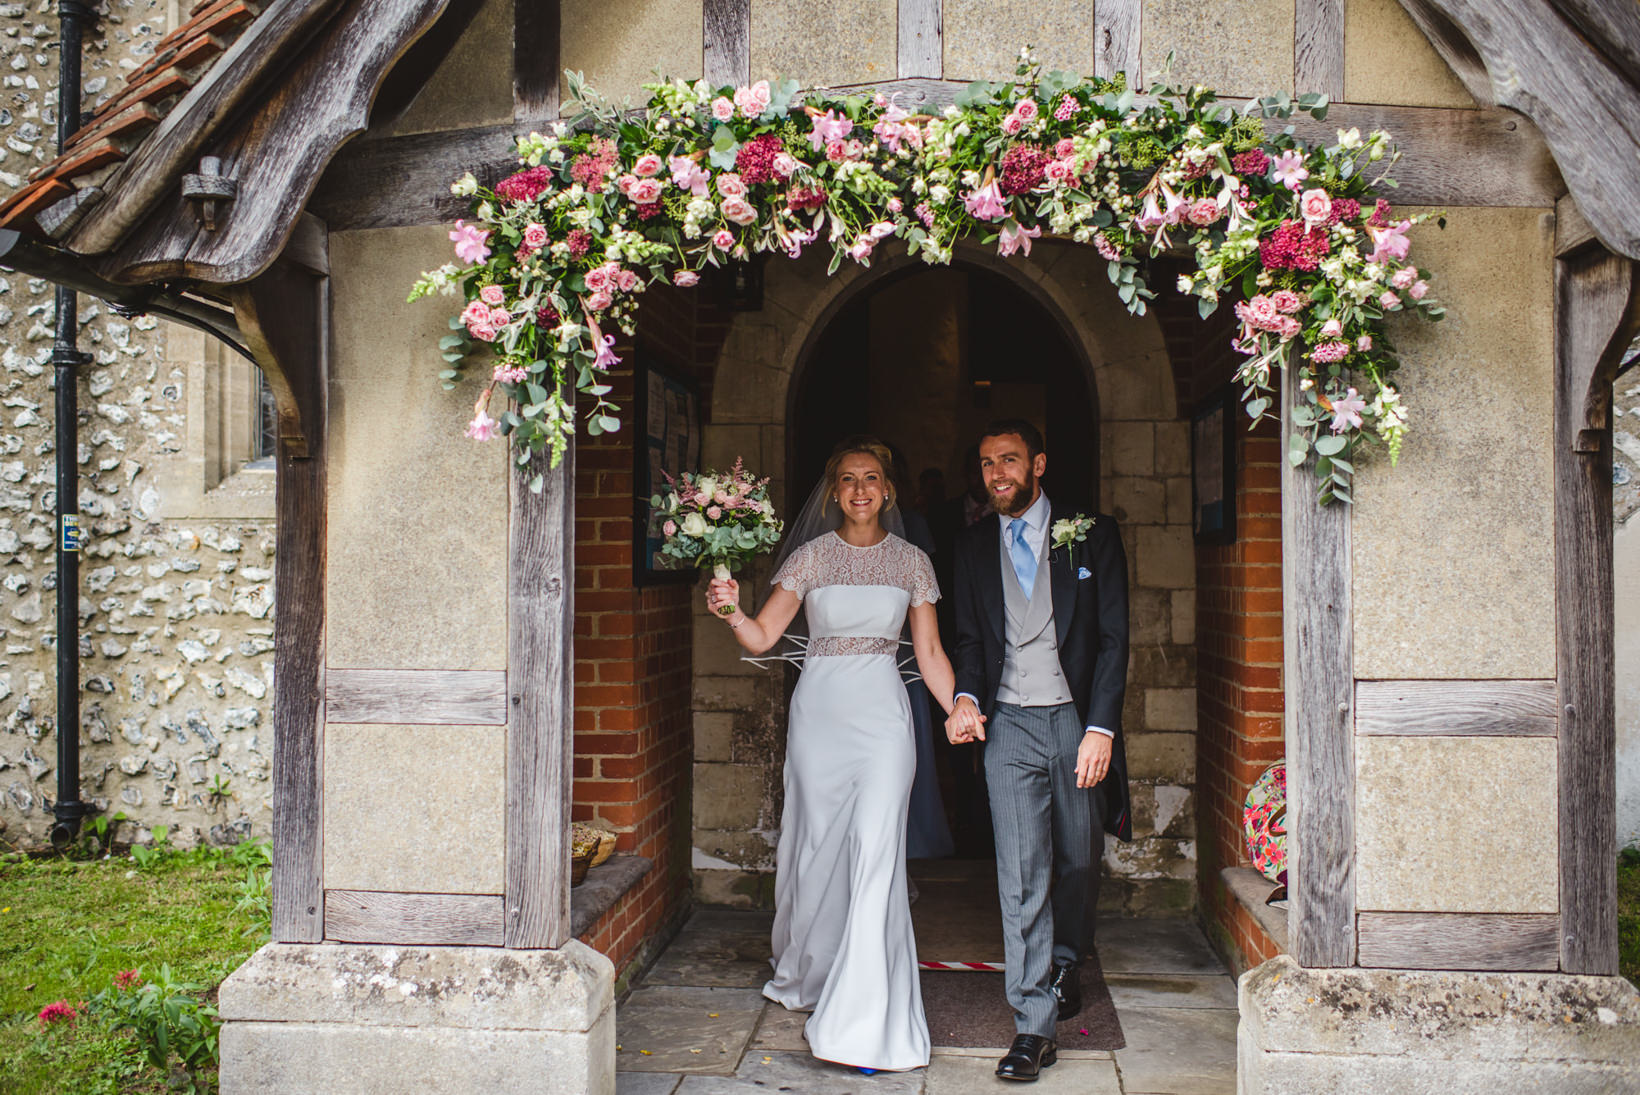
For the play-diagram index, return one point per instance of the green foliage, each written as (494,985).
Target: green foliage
(166,1018)
(1628,913)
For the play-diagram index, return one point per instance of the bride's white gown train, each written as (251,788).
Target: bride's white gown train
(843,944)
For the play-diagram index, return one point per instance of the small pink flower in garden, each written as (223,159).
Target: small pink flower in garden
(492,295)
(648,165)
(753,100)
(597,278)
(689,175)
(1014,238)
(730,185)
(714,512)
(1286,301)
(1390,242)
(600,300)
(1329,352)
(1404,277)
(1388,301)
(510,374)
(646,191)
(1315,206)
(1418,290)
(1012,124)
(1332,329)
(1066,110)
(723,239)
(738,211)
(685,278)
(785,165)
(59,1012)
(606,358)
(127,979)
(723,109)
(1363,344)
(470,242)
(535,236)
(895,205)
(670,528)
(1346,411)
(483,427)
(828,127)
(1289,169)
(985,203)
(1026,108)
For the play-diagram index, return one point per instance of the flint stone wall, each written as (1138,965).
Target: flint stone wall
(176,583)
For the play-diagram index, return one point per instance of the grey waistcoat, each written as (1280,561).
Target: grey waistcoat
(1031,674)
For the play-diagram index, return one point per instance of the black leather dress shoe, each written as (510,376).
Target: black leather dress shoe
(1066,984)
(1029,1055)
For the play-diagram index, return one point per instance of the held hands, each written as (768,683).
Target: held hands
(965,723)
(723,593)
(1092,759)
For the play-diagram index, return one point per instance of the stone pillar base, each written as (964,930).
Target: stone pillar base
(360,1019)
(1418,1032)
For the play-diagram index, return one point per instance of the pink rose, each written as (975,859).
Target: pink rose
(1389,301)
(1287,328)
(730,185)
(1012,124)
(861,249)
(500,317)
(625,183)
(1418,290)
(598,301)
(722,109)
(1404,277)
(1332,329)
(475,312)
(1315,206)
(626,281)
(723,239)
(738,211)
(1063,148)
(1286,301)
(1058,171)
(492,295)
(721,497)
(1262,311)
(645,191)
(648,165)
(685,278)
(1203,212)
(714,512)
(598,279)
(535,236)
(753,100)
(481,330)
(1363,344)
(1026,109)
(895,205)
(785,165)
(670,528)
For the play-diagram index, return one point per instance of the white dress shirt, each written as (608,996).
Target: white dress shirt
(1036,517)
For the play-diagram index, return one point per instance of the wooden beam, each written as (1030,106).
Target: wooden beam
(922,42)
(535,58)
(1317,668)
(284,316)
(540,683)
(727,41)
(1595,315)
(1460,941)
(1456,708)
(1573,232)
(426,697)
(1449,158)
(1318,48)
(1116,30)
(426,919)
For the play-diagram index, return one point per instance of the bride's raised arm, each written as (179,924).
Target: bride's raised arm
(932,663)
(757,635)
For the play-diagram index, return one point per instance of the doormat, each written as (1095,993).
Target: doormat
(969,1008)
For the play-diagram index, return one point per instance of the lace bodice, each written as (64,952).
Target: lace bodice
(830,560)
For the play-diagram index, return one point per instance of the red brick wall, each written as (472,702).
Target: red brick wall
(634,745)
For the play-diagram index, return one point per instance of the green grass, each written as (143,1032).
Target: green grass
(1628,914)
(67,927)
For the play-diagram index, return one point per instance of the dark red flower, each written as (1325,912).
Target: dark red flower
(525,186)
(1380,214)
(60,1012)
(580,242)
(755,160)
(1293,247)
(649,210)
(1344,210)
(805,197)
(1252,162)
(1023,169)
(547,316)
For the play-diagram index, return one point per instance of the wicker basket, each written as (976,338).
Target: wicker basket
(579,865)
(589,846)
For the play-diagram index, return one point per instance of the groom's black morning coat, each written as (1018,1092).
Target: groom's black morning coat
(1090,618)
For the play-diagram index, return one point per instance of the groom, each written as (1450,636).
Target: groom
(1041,657)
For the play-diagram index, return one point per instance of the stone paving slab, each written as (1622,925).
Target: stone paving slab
(762,1073)
(727,947)
(1154,946)
(1189,1051)
(781,1030)
(672,1023)
(646,1083)
(1170,991)
(964,1075)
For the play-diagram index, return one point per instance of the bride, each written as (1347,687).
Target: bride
(843,945)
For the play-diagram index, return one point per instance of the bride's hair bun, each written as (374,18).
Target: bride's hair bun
(862,444)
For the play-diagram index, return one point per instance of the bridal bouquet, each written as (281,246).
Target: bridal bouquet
(717,519)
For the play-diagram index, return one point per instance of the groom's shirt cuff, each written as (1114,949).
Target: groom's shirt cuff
(970,695)
(1100,730)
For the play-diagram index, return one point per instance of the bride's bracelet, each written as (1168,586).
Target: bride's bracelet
(743,618)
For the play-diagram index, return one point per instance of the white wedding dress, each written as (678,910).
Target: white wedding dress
(843,945)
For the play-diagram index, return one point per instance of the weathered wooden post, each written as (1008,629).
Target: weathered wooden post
(421,891)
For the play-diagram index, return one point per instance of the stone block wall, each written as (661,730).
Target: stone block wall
(176,573)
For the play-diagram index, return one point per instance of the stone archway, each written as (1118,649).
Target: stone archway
(1144,481)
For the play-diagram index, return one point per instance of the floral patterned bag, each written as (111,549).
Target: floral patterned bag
(1264,823)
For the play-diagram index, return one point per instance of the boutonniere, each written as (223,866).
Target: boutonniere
(1072,530)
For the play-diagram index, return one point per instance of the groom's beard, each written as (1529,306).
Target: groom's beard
(1017,501)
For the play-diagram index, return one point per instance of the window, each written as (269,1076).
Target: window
(218,460)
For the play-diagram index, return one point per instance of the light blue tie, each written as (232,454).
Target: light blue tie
(1023,557)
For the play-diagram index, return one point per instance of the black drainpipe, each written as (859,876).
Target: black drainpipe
(74,17)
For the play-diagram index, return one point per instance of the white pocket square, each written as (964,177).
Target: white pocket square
(1083,573)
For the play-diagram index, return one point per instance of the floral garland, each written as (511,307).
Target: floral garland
(558,252)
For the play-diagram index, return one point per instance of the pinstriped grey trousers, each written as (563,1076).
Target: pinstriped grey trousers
(1049,846)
